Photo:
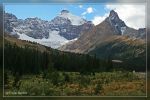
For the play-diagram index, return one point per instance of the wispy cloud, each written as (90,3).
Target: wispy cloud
(88,11)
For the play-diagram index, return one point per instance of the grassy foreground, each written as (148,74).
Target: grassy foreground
(76,84)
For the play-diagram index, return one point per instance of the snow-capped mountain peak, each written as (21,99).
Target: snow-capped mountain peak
(113,15)
(64,11)
(75,20)
(63,28)
(120,28)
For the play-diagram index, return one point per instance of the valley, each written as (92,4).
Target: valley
(70,56)
(91,76)
(76,84)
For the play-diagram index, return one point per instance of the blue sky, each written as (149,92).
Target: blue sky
(132,14)
(48,12)
(73,1)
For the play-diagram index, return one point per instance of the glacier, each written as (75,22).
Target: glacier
(54,40)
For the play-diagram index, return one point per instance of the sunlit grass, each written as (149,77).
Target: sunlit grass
(76,84)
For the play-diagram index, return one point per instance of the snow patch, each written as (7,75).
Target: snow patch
(122,30)
(112,18)
(54,40)
(75,20)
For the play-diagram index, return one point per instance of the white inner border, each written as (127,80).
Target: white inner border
(146,5)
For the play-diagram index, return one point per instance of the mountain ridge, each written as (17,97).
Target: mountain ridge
(64,27)
(130,51)
(37,28)
(108,30)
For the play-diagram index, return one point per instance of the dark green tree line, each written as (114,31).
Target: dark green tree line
(25,60)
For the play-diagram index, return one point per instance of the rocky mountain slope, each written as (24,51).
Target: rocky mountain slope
(130,52)
(54,33)
(112,26)
(114,40)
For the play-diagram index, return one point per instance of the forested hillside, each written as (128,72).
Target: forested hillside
(130,51)
(30,69)
(26,59)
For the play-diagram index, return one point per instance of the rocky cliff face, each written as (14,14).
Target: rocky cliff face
(117,24)
(121,28)
(32,27)
(68,25)
(65,26)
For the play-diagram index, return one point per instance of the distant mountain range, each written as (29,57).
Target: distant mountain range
(71,33)
(111,39)
(112,26)
(63,28)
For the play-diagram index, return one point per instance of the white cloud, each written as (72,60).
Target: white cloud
(98,19)
(132,15)
(88,11)
(80,6)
